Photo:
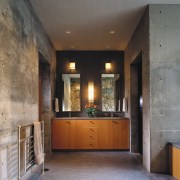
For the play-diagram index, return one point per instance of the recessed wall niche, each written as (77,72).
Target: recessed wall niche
(90,65)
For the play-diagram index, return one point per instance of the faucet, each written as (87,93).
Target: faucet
(111,114)
(69,114)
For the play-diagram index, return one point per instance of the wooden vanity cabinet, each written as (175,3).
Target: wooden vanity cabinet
(104,137)
(119,133)
(90,134)
(65,134)
(114,134)
(174,161)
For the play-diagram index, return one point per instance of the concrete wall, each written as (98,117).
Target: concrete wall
(164,82)
(158,37)
(21,39)
(139,43)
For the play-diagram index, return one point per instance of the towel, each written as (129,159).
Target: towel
(56,105)
(125,106)
(38,149)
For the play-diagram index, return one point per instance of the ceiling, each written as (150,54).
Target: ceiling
(91,24)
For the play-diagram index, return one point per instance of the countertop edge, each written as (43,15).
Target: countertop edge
(94,118)
(175,144)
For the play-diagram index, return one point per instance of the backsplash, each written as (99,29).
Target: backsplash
(90,65)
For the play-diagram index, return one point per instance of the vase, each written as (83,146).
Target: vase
(91,114)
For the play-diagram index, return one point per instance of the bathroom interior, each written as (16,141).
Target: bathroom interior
(108,93)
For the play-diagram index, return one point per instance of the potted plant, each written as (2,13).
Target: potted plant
(91,109)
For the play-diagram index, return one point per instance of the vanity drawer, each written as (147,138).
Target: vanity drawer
(90,138)
(90,123)
(90,144)
(90,131)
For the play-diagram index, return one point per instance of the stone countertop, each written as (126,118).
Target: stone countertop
(175,144)
(93,118)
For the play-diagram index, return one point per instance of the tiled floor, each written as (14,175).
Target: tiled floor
(95,166)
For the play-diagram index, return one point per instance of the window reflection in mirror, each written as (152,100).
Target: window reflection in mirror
(110,92)
(71,100)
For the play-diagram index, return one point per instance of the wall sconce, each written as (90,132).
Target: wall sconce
(72,65)
(91,92)
(107,66)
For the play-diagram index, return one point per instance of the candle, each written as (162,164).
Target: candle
(119,105)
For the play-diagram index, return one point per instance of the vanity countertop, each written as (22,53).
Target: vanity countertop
(175,144)
(93,118)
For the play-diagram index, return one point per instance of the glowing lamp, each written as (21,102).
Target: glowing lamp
(107,66)
(72,65)
(91,92)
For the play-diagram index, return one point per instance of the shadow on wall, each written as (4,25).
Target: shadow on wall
(163,153)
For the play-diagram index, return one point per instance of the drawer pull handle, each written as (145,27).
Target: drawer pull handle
(115,122)
(92,122)
(92,130)
(91,137)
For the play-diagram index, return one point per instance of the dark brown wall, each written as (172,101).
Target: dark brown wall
(90,64)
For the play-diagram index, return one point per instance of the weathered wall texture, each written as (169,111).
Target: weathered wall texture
(164,82)
(158,37)
(140,43)
(21,37)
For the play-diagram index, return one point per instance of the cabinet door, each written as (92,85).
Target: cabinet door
(124,134)
(60,139)
(71,134)
(175,155)
(63,134)
(76,134)
(115,134)
(119,134)
(104,135)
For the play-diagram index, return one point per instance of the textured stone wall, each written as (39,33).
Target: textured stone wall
(164,82)
(21,39)
(139,43)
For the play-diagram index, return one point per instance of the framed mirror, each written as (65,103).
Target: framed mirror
(71,97)
(110,92)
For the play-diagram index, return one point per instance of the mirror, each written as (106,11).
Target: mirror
(110,92)
(71,97)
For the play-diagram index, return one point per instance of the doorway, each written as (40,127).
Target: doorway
(44,86)
(45,98)
(136,105)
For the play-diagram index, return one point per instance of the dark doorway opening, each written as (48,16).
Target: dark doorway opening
(140,108)
(44,86)
(136,106)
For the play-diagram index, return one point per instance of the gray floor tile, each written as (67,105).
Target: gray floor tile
(95,166)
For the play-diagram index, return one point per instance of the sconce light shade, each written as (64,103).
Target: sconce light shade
(107,66)
(72,65)
(91,92)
